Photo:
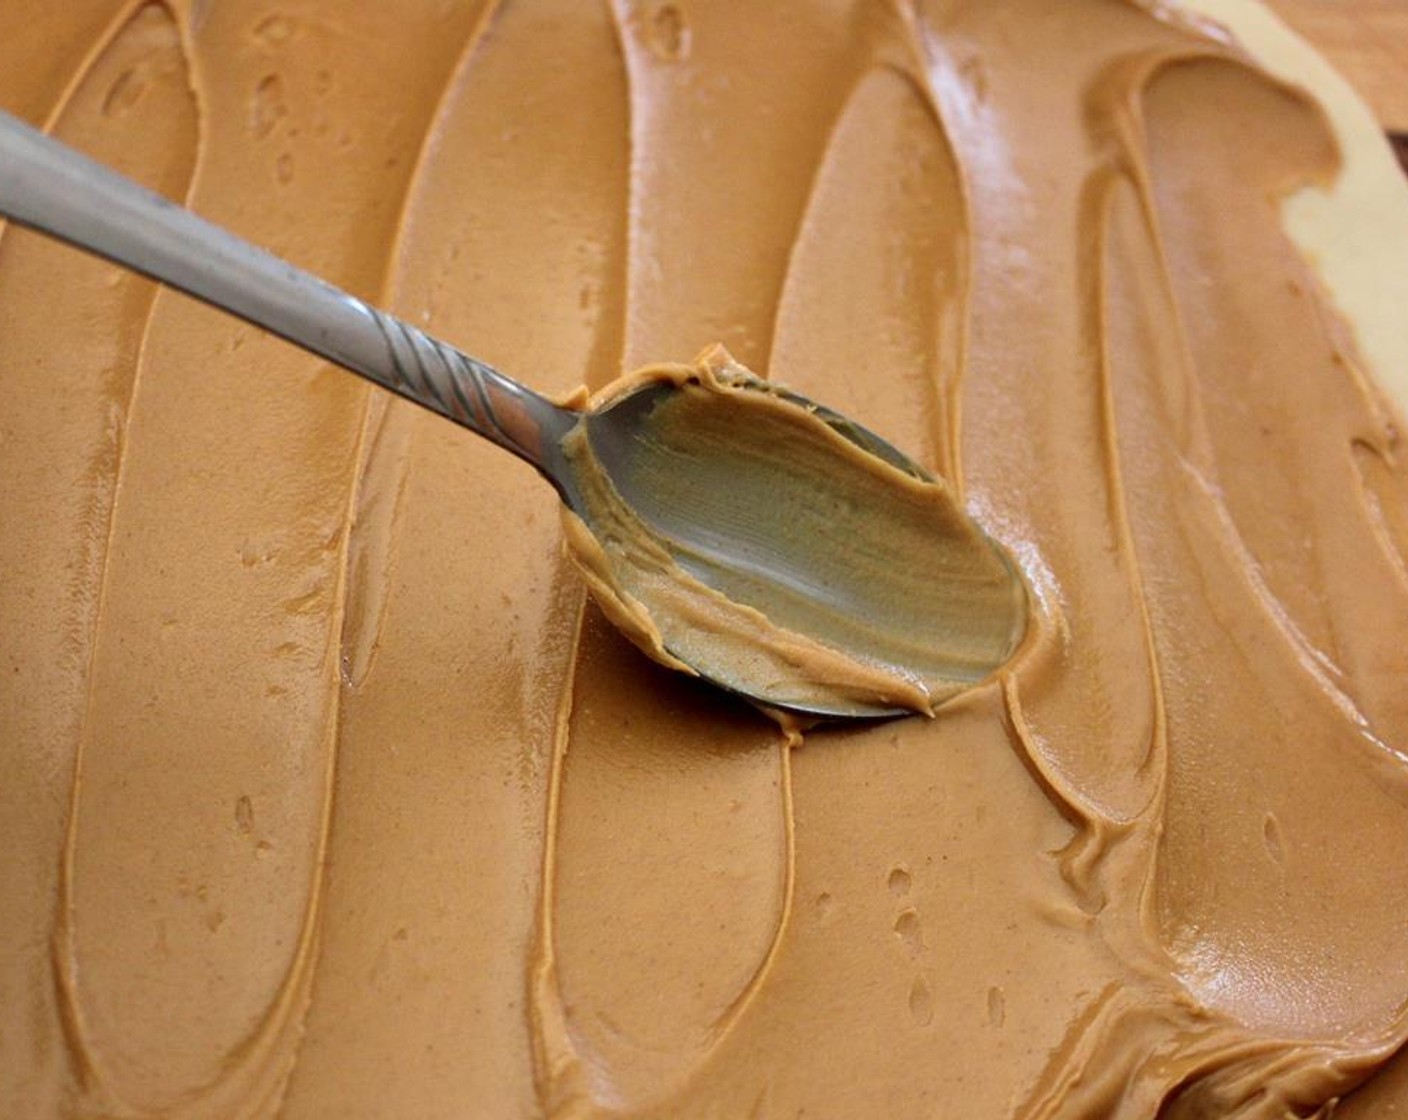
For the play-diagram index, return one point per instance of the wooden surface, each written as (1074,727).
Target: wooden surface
(1367,41)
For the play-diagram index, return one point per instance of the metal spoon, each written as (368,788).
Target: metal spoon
(51,188)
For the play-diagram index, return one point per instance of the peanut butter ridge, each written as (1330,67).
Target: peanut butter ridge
(326,792)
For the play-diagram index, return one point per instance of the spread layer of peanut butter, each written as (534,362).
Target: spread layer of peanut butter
(327,794)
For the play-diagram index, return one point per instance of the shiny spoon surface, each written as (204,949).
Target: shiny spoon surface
(732,529)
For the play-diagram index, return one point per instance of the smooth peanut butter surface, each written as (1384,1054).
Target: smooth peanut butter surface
(327,794)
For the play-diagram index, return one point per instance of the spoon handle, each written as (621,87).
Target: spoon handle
(48,186)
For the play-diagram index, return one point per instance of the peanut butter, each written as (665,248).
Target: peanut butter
(327,793)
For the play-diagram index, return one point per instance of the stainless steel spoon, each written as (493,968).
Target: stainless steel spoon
(51,188)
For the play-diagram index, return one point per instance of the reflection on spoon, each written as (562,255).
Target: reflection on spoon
(728,527)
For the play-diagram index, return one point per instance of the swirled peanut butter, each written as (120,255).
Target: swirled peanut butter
(327,793)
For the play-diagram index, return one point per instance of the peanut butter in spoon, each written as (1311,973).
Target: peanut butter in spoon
(735,530)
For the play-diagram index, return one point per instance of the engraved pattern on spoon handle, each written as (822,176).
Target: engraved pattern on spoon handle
(445,380)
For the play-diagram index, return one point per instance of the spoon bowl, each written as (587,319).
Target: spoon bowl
(781,550)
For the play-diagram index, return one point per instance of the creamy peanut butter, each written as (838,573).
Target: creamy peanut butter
(327,793)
